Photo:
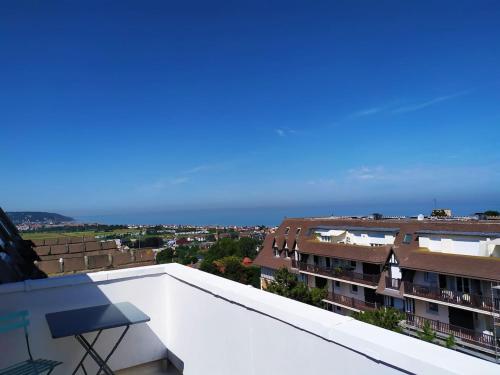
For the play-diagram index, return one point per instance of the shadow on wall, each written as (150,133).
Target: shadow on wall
(142,344)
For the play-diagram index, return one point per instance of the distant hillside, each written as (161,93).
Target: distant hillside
(37,217)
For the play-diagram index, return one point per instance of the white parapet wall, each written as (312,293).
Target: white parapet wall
(209,325)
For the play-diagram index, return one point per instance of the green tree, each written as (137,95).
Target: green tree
(427,333)
(247,247)
(492,213)
(286,284)
(186,254)
(450,342)
(231,268)
(387,317)
(438,213)
(165,256)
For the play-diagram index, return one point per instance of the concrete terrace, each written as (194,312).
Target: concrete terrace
(205,324)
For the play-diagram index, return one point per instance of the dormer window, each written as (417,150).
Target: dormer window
(407,238)
(287,229)
(297,232)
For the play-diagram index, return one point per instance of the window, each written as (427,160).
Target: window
(354,288)
(327,262)
(407,238)
(320,282)
(287,229)
(463,285)
(316,260)
(276,253)
(337,284)
(353,263)
(430,277)
(338,308)
(298,231)
(433,308)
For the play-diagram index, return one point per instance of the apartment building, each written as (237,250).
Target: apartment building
(441,271)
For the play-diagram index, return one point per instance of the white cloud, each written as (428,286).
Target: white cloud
(163,184)
(367,173)
(283,132)
(198,169)
(428,103)
(367,112)
(179,180)
(395,109)
(322,182)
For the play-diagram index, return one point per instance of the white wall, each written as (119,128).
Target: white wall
(361,237)
(421,310)
(345,290)
(464,245)
(214,326)
(143,343)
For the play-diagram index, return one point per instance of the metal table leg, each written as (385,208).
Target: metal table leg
(89,350)
(80,364)
(114,348)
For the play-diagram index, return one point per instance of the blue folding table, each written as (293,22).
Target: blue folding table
(95,319)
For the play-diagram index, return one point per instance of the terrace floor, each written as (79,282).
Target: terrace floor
(151,368)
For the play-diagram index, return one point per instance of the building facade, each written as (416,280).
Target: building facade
(442,273)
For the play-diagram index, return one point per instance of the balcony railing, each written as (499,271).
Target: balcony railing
(451,296)
(339,273)
(391,283)
(352,302)
(464,334)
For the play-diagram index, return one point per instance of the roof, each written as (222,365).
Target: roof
(17,255)
(372,229)
(409,254)
(367,254)
(455,233)
(266,257)
(477,267)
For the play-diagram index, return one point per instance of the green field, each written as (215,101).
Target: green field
(88,233)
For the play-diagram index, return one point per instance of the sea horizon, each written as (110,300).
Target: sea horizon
(269,216)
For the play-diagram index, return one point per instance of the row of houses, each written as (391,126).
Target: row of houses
(440,273)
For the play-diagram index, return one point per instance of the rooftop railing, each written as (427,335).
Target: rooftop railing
(205,324)
(338,273)
(451,296)
(464,334)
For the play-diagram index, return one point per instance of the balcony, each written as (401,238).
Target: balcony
(204,324)
(391,283)
(351,302)
(453,297)
(465,335)
(338,273)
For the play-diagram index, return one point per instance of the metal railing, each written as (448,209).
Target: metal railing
(352,302)
(451,296)
(339,273)
(464,334)
(392,283)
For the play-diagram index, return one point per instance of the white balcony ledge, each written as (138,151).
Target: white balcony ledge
(208,325)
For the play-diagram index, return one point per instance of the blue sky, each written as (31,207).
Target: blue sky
(111,107)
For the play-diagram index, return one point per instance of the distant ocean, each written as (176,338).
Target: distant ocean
(269,216)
